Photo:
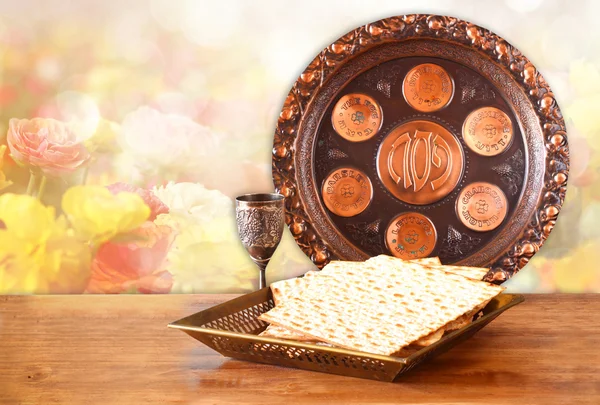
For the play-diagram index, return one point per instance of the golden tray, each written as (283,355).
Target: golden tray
(231,329)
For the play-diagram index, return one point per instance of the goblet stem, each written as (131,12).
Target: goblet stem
(262,279)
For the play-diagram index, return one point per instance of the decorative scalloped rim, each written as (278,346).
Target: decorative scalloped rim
(424,26)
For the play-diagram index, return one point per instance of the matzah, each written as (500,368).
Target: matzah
(375,308)
(430,339)
(282,289)
(285,333)
(476,273)
(389,263)
(435,261)
(456,324)
(282,332)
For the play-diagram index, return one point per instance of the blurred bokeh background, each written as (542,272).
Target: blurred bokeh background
(181,98)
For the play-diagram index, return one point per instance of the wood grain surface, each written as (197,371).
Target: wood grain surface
(117,350)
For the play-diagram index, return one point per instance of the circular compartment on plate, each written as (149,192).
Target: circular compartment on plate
(410,236)
(356,117)
(420,162)
(347,192)
(428,87)
(488,131)
(481,206)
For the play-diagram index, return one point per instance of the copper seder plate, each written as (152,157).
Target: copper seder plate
(422,135)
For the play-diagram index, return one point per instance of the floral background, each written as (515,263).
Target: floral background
(126,128)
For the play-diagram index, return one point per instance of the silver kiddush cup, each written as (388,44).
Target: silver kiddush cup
(260,221)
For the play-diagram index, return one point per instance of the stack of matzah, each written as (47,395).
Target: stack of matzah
(379,306)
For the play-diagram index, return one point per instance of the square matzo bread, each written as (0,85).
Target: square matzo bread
(378,309)
(285,333)
(476,273)
(430,261)
(283,288)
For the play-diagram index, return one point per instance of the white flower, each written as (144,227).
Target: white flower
(193,200)
(199,214)
(206,255)
(165,143)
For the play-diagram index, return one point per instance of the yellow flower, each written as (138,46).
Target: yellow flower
(581,111)
(3,182)
(584,77)
(577,271)
(226,267)
(97,215)
(104,140)
(67,260)
(19,270)
(26,218)
(39,253)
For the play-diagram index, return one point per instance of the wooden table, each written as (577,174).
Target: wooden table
(117,350)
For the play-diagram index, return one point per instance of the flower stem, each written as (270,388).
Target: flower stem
(31,184)
(86,171)
(42,187)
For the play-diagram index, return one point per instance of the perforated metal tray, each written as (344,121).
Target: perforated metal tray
(231,329)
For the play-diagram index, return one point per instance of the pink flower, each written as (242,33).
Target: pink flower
(47,144)
(157,207)
(138,265)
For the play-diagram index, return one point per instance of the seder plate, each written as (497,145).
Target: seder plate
(422,135)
